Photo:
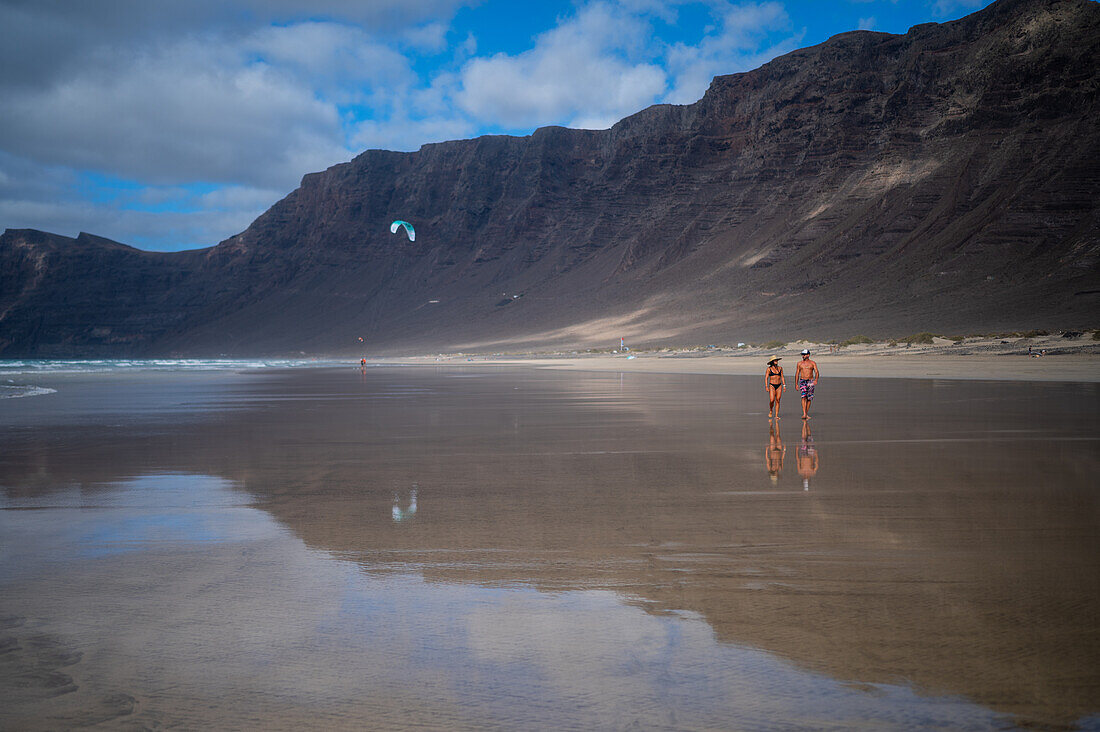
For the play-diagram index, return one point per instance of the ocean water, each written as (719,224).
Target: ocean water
(14,391)
(86,366)
(16,374)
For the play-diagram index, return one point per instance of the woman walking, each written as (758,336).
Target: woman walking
(774,384)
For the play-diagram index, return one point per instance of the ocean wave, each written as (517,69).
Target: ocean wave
(12,391)
(56,366)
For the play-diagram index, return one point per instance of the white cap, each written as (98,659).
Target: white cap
(805,351)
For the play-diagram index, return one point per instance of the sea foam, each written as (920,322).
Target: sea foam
(57,366)
(14,391)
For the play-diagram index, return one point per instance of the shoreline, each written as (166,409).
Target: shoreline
(1084,367)
(1068,357)
(977,358)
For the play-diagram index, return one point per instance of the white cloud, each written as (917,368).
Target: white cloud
(948,7)
(249,95)
(468,47)
(405,134)
(329,53)
(376,14)
(582,69)
(147,91)
(240,198)
(143,229)
(252,94)
(34,196)
(40,39)
(666,10)
(189,112)
(867,23)
(430,37)
(734,46)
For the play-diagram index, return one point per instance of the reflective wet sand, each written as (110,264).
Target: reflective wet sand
(502,548)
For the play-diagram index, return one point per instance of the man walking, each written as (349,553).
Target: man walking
(806,374)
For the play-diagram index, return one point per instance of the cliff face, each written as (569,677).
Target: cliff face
(944,179)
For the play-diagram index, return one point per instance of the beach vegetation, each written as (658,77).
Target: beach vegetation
(920,339)
(855,340)
(1021,334)
(774,344)
(892,343)
(1096,335)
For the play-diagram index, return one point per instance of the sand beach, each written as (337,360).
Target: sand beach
(467,545)
(401,366)
(980,358)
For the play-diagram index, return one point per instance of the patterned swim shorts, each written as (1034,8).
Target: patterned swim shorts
(807,388)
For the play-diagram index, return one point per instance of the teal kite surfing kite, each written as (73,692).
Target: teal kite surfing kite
(408,229)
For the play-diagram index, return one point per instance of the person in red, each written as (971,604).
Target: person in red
(774,384)
(806,376)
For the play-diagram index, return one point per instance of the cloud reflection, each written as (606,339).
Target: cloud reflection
(216,612)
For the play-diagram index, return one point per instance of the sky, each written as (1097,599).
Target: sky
(171,125)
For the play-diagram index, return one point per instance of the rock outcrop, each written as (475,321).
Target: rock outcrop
(946,179)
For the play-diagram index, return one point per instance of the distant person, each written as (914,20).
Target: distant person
(806,375)
(774,453)
(774,384)
(363,364)
(807,457)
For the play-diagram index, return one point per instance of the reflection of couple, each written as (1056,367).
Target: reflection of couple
(806,458)
(773,455)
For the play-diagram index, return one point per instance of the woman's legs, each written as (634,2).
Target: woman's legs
(775,393)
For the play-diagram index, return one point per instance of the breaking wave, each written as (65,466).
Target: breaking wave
(57,366)
(13,391)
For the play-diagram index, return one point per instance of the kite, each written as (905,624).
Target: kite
(408,229)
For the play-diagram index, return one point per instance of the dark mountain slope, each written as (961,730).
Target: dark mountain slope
(946,179)
(89,295)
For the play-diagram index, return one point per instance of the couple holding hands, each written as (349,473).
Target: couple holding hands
(775,382)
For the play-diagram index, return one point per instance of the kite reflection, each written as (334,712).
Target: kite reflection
(410,509)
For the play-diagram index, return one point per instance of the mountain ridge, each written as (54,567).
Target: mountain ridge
(941,179)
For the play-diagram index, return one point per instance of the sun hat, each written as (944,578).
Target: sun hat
(773,359)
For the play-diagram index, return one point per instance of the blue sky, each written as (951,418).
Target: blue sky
(169,125)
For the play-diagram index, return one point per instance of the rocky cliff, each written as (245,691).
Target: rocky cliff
(946,179)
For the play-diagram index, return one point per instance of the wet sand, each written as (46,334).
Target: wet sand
(927,365)
(498,547)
